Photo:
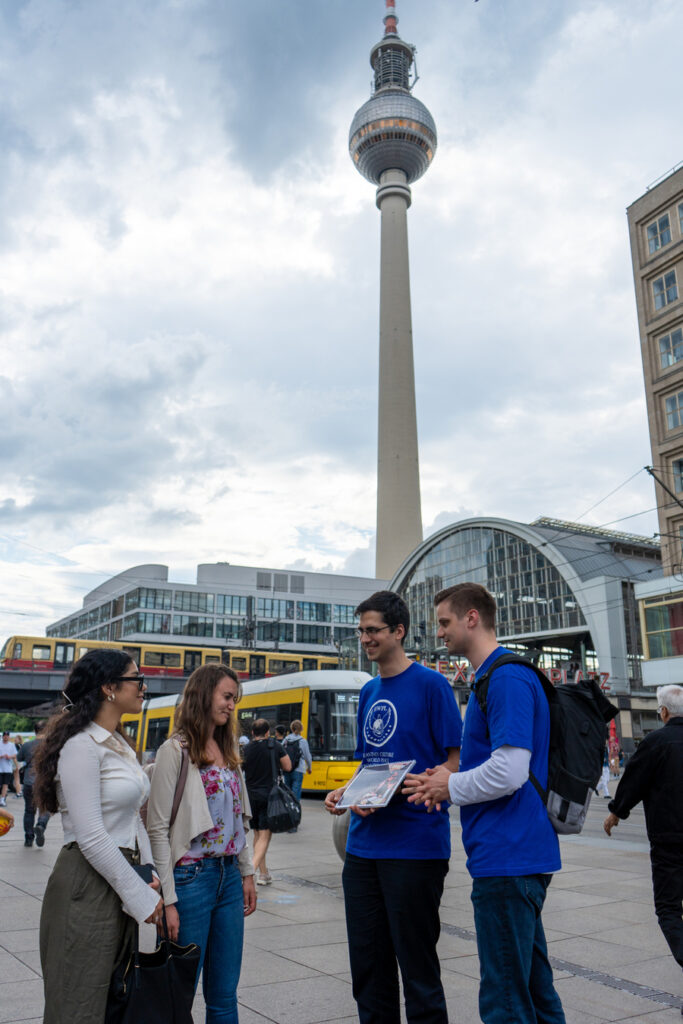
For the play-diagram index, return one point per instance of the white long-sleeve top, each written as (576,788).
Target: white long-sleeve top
(100,789)
(506,770)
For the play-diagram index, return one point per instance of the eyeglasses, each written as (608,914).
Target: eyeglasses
(139,679)
(371,631)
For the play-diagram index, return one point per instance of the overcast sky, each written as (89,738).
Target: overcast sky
(190,263)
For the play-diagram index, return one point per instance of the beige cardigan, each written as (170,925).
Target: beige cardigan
(192,819)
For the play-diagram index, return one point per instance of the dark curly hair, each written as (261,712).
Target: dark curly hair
(391,607)
(83,697)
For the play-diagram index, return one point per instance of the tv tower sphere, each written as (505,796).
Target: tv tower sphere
(393,130)
(392,143)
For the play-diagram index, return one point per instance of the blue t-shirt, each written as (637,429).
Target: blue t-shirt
(511,835)
(409,716)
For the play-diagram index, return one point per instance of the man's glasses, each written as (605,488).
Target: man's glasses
(371,631)
(139,679)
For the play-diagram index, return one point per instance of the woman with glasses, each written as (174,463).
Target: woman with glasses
(95,899)
(202,858)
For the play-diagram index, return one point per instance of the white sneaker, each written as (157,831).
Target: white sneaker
(3,802)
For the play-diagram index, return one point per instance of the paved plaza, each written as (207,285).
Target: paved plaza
(611,961)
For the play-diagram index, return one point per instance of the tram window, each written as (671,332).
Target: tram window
(278,665)
(169,658)
(41,653)
(134,653)
(131,731)
(157,732)
(17,650)
(210,659)
(239,664)
(309,664)
(257,666)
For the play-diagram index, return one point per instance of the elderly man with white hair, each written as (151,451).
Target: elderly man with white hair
(655,775)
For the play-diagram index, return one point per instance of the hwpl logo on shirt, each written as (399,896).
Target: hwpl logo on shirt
(380,723)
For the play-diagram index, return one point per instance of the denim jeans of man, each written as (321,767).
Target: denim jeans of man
(295,781)
(392,914)
(667,883)
(30,811)
(516,978)
(211,911)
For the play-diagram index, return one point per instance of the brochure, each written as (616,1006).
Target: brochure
(375,784)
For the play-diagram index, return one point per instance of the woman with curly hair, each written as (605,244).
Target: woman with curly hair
(94,899)
(203,860)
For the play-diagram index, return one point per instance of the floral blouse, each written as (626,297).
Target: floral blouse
(222,789)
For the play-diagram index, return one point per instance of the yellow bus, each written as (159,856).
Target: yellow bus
(325,701)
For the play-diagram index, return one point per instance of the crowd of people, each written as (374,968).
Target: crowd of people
(190,872)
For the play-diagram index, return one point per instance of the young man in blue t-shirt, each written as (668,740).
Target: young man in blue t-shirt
(512,848)
(397,856)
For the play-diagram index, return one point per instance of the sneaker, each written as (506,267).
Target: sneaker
(39,831)
(3,802)
(264,880)
(28,841)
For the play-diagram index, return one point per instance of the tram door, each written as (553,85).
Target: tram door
(193,660)
(64,655)
(257,666)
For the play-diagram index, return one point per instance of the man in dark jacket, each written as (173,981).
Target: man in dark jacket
(655,775)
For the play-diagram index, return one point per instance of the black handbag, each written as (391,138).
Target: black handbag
(283,810)
(154,988)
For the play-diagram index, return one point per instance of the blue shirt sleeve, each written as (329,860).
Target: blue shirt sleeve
(445,720)
(510,705)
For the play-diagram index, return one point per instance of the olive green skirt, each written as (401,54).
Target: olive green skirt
(83,935)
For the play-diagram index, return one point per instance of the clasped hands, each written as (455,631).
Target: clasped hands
(429,788)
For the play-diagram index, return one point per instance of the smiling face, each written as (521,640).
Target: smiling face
(225,697)
(455,632)
(377,639)
(129,696)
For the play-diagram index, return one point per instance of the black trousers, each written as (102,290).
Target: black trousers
(30,811)
(667,883)
(392,915)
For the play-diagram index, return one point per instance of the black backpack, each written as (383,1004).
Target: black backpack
(293,748)
(579,713)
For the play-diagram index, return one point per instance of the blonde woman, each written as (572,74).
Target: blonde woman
(203,860)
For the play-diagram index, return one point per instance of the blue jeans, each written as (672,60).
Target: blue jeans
(294,780)
(392,916)
(211,910)
(516,978)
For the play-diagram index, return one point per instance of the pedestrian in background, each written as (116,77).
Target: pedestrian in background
(32,829)
(202,858)
(299,753)
(258,768)
(94,898)
(654,774)
(8,764)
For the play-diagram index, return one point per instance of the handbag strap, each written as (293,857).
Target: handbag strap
(180,784)
(271,747)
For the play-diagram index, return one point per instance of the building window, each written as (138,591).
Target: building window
(296,584)
(665,289)
(229,629)
(273,608)
(671,348)
(680,217)
(345,613)
(674,411)
(264,581)
(313,635)
(677,466)
(313,611)
(664,626)
(150,598)
(131,600)
(230,604)
(282,632)
(659,234)
(192,625)
(280,581)
(191,601)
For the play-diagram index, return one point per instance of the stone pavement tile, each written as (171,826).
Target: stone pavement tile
(664,1016)
(587,951)
(22,911)
(468,965)
(21,1001)
(31,957)
(332,958)
(645,937)
(599,880)
(261,964)
(607,1004)
(462,996)
(17,941)
(582,922)
(568,899)
(632,912)
(620,888)
(316,934)
(324,909)
(12,969)
(310,1001)
(455,945)
(661,972)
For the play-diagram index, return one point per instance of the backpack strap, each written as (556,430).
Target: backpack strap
(274,768)
(480,688)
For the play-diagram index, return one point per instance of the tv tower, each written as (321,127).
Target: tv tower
(392,142)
